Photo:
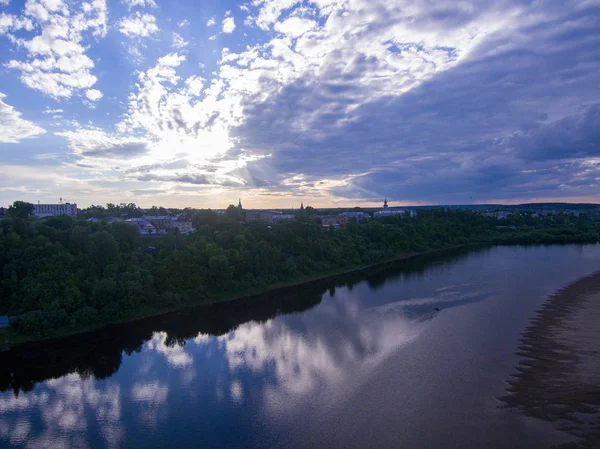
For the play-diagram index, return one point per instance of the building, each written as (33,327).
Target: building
(161,225)
(109,220)
(333,220)
(183,227)
(5,322)
(256,215)
(385,204)
(51,210)
(280,217)
(160,221)
(358,215)
(390,212)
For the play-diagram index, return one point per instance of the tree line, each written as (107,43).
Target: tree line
(61,274)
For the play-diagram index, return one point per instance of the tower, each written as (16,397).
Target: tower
(385,204)
(239,203)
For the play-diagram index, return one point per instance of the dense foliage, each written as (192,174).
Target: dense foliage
(61,273)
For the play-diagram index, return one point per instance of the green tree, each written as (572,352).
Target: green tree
(104,249)
(20,209)
(126,235)
(235,213)
(220,271)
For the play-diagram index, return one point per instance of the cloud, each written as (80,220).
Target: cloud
(176,118)
(183,23)
(93,94)
(423,106)
(270,10)
(9,22)
(178,41)
(140,3)
(56,63)
(193,177)
(176,355)
(358,100)
(53,111)
(138,25)
(12,127)
(295,26)
(94,143)
(134,54)
(228,25)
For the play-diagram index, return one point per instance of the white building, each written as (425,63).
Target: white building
(389,212)
(50,210)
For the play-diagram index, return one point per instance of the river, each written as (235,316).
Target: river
(412,354)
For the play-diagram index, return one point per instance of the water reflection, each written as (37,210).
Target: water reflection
(100,353)
(227,375)
(62,408)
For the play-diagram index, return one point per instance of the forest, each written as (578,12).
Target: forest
(60,274)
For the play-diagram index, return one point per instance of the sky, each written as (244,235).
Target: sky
(331,103)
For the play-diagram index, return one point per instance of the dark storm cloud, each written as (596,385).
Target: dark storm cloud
(518,118)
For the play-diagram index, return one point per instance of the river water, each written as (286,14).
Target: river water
(409,354)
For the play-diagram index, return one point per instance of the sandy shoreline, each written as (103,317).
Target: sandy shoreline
(558,379)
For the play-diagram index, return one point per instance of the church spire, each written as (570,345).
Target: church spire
(239,203)
(302,205)
(385,204)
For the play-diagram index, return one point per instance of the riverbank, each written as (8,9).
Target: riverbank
(558,379)
(9,339)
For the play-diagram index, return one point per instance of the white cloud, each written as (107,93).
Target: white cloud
(170,112)
(9,22)
(211,22)
(135,54)
(270,10)
(194,85)
(228,25)
(66,405)
(151,392)
(138,25)
(278,346)
(178,41)
(53,111)
(295,26)
(12,127)
(140,3)
(4,2)
(183,23)
(93,94)
(56,62)
(176,355)
(95,143)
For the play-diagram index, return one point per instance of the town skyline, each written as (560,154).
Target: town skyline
(375,205)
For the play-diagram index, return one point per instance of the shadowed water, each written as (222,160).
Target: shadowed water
(363,360)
